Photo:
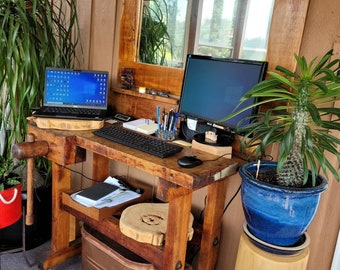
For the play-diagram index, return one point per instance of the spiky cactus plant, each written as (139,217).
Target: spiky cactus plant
(300,117)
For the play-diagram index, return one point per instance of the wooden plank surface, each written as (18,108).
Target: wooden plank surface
(165,168)
(286,33)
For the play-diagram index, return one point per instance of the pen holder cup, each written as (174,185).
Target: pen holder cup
(166,135)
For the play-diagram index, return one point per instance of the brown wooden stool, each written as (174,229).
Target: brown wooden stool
(251,257)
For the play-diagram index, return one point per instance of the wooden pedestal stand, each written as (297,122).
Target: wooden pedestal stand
(251,257)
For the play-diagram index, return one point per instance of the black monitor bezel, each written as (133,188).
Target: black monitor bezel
(201,119)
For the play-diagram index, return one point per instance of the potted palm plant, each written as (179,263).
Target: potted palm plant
(34,34)
(280,198)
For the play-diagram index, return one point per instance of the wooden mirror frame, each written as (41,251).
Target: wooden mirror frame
(285,37)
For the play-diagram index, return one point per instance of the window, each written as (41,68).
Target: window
(219,28)
(233,28)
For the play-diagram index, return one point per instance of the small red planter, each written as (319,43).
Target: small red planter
(10,206)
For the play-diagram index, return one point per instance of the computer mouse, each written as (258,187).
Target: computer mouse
(189,161)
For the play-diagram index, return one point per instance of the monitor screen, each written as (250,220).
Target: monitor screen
(71,87)
(212,87)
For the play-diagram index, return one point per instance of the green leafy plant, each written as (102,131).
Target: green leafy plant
(7,177)
(300,117)
(155,41)
(34,34)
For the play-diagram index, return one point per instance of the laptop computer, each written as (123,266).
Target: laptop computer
(74,94)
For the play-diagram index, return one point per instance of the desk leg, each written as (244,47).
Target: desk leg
(177,230)
(100,167)
(61,250)
(60,219)
(212,226)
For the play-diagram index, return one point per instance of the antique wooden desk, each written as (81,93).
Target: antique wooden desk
(175,185)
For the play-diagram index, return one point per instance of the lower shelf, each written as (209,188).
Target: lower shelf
(99,214)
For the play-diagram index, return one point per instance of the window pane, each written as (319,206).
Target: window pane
(216,30)
(257,23)
(163,32)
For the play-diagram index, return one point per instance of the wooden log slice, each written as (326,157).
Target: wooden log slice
(147,223)
(68,124)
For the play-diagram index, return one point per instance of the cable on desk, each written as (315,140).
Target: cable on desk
(81,174)
(216,158)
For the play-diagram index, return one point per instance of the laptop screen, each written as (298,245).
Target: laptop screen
(76,88)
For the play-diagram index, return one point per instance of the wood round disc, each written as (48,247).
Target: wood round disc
(147,223)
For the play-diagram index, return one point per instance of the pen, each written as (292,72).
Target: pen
(174,128)
(163,117)
(171,120)
(165,121)
(158,115)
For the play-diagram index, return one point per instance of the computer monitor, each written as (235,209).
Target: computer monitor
(212,88)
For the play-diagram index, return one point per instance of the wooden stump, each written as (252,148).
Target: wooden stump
(147,223)
(251,257)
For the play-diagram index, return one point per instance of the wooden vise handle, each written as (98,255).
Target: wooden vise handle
(29,150)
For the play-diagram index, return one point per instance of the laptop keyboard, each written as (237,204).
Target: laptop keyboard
(144,143)
(70,111)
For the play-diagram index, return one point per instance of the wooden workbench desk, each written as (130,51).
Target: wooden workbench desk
(175,185)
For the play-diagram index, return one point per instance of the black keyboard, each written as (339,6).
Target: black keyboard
(144,143)
(68,111)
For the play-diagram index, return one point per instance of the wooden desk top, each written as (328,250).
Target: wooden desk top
(64,148)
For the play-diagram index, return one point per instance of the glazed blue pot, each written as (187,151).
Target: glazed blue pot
(275,214)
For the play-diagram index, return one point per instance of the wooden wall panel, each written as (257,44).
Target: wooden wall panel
(97,23)
(102,34)
(286,33)
(322,34)
(285,37)
(84,16)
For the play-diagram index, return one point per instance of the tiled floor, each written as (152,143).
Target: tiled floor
(34,257)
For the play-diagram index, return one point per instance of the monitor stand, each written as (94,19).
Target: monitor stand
(225,138)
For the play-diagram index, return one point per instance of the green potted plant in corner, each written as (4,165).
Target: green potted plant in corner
(10,193)
(34,34)
(280,198)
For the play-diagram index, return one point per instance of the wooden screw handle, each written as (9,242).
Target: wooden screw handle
(30,185)
(30,148)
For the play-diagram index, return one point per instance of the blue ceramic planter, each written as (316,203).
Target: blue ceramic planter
(278,215)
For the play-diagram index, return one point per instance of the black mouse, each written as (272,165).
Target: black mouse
(189,161)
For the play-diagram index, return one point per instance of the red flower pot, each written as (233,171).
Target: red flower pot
(10,206)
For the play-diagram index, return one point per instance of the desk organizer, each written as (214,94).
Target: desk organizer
(99,214)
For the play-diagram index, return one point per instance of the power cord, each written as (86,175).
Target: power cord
(81,174)
(232,198)
(225,208)
(216,158)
